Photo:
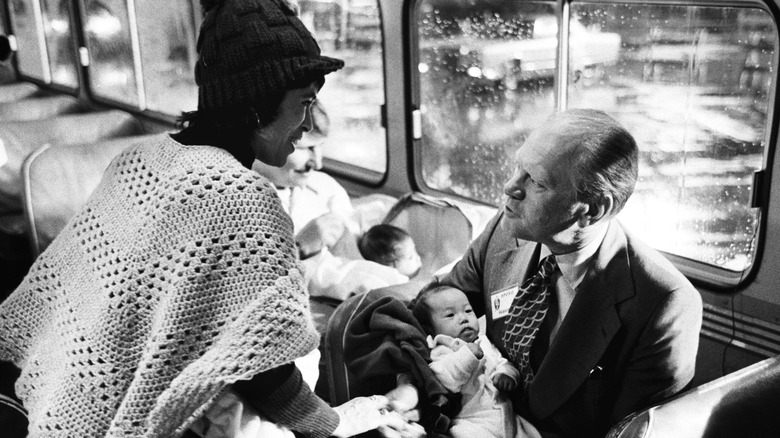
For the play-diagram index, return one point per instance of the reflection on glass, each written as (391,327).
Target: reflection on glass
(691,83)
(59,42)
(350,30)
(111,70)
(486,75)
(167,43)
(26,30)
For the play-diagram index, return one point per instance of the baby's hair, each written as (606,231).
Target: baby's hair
(422,310)
(379,243)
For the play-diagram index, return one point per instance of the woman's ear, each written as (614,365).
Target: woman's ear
(597,211)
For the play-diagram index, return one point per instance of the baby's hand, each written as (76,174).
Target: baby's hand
(475,350)
(504,383)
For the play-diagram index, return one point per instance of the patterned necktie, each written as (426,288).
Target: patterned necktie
(526,314)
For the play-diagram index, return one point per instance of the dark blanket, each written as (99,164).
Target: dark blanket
(385,339)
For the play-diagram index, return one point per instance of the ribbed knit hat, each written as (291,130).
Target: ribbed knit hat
(253,50)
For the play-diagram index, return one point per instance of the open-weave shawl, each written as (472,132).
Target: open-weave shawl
(177,278)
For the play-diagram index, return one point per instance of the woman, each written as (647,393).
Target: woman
(179,281)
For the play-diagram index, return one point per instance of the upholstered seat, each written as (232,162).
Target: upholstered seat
(59,180)
(17,91)
(37,108)
(20,138)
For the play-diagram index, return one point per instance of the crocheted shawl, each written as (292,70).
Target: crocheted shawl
(178,278)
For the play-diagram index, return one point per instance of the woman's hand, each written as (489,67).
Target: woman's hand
(362,414)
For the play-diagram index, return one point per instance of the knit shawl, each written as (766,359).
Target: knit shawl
(177,278)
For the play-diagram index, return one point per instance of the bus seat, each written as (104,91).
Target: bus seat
(37,108)
(59,180)
(442,232)
(20,138)
(17,91)
(439,227)
(744,403)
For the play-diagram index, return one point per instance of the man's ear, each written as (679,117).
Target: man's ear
(597,210)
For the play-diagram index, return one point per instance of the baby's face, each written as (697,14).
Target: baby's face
(408,262)
(452,315)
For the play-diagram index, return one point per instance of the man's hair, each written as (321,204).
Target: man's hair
(421,307)
(607,157)
(379,244)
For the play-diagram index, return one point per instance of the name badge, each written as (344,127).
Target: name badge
(501,301)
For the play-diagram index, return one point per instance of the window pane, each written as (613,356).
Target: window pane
(25,27)
(353,96)
(60,45)
(486,75)
(167,42)
(692,84)
(111,70)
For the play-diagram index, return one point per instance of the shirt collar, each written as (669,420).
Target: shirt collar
(574,265)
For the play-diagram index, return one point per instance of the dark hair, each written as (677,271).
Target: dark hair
(231,128)
(422,310)
(379,244)
(607,159)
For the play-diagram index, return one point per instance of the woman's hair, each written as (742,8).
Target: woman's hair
(379,244)
(422,310)
(250,54)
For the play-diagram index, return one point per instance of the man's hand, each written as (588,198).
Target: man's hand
(504,383)
(323,231)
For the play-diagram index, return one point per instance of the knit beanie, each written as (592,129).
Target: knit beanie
(253,51)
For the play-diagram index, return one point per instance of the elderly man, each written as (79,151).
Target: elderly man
(599,324)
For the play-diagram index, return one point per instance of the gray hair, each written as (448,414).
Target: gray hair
(606,155)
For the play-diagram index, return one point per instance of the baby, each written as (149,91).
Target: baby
(390,258)
(390,246)
(465,361)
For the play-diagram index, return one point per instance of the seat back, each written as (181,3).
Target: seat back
(745,403)
(18,139)
(17,91)
(439,229)
(59,180)
(37,108)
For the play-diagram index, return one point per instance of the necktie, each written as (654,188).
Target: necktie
(526,314)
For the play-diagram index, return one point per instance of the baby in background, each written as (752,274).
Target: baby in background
(390,246)
(466,362)
(390,258)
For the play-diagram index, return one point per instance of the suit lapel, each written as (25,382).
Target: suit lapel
(589,326)
(508,268)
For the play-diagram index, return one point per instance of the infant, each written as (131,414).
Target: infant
(465,361)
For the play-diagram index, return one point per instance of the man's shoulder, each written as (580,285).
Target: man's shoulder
(654,274)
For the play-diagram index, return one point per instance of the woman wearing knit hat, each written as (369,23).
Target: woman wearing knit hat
(178,281)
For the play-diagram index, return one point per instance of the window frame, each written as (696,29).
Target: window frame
(46,80)
(706,274)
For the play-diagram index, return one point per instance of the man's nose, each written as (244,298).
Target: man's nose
(514,188)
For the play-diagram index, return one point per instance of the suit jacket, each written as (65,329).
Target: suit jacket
(628,340)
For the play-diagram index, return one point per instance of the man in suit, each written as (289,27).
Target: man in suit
(621,327)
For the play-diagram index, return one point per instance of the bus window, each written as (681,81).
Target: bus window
(60,45)
(353,96)
(167,37)
(27,27)
(486,73)
(692,84)
(112,72)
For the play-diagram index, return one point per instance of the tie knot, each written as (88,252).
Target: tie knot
(548,265)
